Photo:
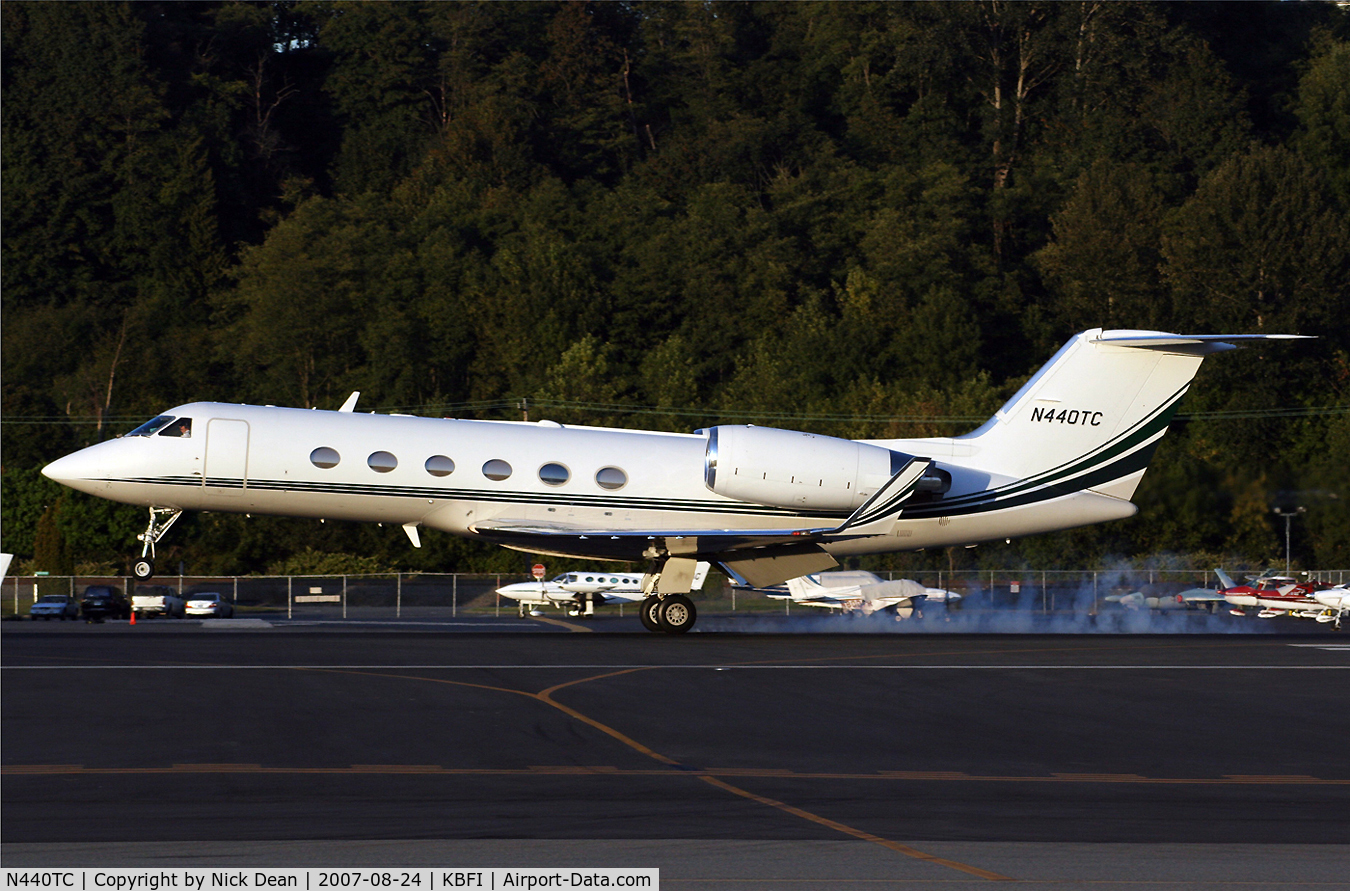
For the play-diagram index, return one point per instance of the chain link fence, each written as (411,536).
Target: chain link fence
(440,595)
(400,595)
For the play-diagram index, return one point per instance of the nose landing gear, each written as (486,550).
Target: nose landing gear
(161,518)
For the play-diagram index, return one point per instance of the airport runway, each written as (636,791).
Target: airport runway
(729,760)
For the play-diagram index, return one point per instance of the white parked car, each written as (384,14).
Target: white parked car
(157,600)
(209,604)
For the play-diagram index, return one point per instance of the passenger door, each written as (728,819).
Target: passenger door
(226,465)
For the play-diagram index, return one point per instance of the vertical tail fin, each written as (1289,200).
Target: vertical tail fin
(1225,580)
(803,587)
(1092,416)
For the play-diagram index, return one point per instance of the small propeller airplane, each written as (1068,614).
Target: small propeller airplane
(1191,598)
(763,504)
(864,592)
(581,592)
(1278,595)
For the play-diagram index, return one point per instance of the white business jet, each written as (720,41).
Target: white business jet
(865,592)
(764,504)
(581,592)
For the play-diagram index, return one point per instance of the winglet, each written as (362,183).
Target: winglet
(350,404)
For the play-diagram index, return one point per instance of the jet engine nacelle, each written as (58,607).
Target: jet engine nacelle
(786,468)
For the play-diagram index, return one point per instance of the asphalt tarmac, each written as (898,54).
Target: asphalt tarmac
(729,760)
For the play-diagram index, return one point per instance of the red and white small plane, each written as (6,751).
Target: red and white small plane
(1279,595)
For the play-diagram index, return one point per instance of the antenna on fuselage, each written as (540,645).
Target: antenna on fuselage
(350,404)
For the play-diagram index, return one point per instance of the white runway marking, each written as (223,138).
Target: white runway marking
(710,667)
(296,623)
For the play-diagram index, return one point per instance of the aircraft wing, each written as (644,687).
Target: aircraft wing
(760,557)
(1201,595)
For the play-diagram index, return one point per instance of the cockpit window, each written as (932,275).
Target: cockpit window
(181,427)
(152,426)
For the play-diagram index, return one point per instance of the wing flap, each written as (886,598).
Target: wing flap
(778,565)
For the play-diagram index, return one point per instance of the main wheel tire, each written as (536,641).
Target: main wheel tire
(647,611)
(143,568)
(676,615)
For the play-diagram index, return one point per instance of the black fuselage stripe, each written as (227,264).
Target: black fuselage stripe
(533,498)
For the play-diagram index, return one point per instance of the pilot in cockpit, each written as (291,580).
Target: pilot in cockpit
(181,428)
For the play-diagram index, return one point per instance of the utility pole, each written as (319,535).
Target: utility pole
(1288,515)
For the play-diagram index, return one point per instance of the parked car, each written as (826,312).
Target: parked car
(157,600)
(209,604)
(54,606)
(103,602)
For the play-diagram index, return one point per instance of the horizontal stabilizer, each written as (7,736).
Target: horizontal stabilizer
(1196,344)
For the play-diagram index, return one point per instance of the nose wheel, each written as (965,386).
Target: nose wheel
(161,518)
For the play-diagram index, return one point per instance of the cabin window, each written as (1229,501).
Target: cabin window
(554,474)
(611,478)
(152,426)
(324,457)
(181,428)
(439,465)
(382,462)
(496,469)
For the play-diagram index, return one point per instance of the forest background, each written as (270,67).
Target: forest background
(849,218)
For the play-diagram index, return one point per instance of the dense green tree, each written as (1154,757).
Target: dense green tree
(867,219)
(1104,262)
(1260,246)
(1323,108)
(296,314)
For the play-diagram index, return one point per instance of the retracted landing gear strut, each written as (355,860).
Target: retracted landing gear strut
(161,518)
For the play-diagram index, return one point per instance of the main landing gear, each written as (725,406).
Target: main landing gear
(672,613)
(161,518)
(666,608)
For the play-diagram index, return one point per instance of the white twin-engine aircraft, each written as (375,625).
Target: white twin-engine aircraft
(764,504)
(581,592)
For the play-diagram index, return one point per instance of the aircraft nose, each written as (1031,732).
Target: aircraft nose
(73,469)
